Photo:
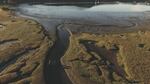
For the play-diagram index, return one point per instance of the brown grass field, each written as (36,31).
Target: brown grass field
(23,48)
(109,58)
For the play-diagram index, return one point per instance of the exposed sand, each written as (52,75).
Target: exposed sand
(23,48)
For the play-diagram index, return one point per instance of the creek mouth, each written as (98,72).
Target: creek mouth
(54,18)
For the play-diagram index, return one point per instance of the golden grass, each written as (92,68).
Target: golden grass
(132,57)
(24,46)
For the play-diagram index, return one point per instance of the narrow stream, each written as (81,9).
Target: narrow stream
(54,71)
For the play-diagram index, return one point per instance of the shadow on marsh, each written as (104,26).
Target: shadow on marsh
(105,57)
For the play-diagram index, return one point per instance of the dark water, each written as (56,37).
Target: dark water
(54,71)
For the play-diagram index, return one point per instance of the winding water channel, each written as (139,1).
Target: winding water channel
(54,71)
(53,19)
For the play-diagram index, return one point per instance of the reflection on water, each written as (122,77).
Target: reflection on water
(120,8)
(103,13)
(75,11)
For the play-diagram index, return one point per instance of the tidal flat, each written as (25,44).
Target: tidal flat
(57,44)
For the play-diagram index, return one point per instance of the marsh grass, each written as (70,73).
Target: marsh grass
(130,64)
(23,48)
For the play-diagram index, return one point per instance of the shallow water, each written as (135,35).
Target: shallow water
(93,13)
(114,7)
(119,14)
(64,10)
(120,7)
